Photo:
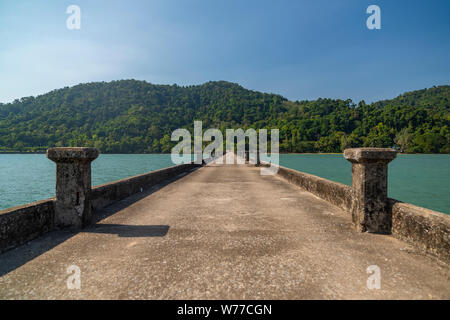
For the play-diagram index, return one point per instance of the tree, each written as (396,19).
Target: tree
(136,116)
(403,139)
(380,136)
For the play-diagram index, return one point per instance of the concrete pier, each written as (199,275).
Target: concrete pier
(222,232)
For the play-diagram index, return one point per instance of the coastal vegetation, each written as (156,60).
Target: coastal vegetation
(130,116)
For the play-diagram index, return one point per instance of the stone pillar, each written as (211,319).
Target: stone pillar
(369,188)
(73,185)
(258,159)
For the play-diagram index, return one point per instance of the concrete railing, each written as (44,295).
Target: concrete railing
(21,224)
(337,193)
(426,229)
(75,200)
(369,206)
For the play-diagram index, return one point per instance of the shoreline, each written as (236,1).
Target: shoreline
(305,153)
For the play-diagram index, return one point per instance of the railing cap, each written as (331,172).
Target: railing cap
(72,154)
(364,155)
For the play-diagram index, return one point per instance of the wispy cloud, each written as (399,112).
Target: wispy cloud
(35,68)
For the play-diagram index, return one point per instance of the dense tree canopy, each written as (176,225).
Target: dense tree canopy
(130,116)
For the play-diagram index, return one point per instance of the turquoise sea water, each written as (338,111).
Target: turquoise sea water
(423,180)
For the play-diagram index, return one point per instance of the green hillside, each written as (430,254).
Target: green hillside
(130,116)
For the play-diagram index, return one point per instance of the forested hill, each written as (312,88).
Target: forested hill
(130,116)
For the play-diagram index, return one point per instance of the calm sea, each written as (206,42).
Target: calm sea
(423,180)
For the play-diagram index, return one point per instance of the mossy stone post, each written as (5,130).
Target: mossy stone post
(369,188)
(73,185)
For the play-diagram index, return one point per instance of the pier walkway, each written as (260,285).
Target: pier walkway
(221,232)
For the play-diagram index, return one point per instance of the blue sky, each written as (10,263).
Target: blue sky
(299,49)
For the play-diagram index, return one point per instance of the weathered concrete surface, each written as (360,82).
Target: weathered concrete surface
(222,233)
(426,229)
(106,194)
(369,188)
(73,185)
(336,193)
(23,223)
